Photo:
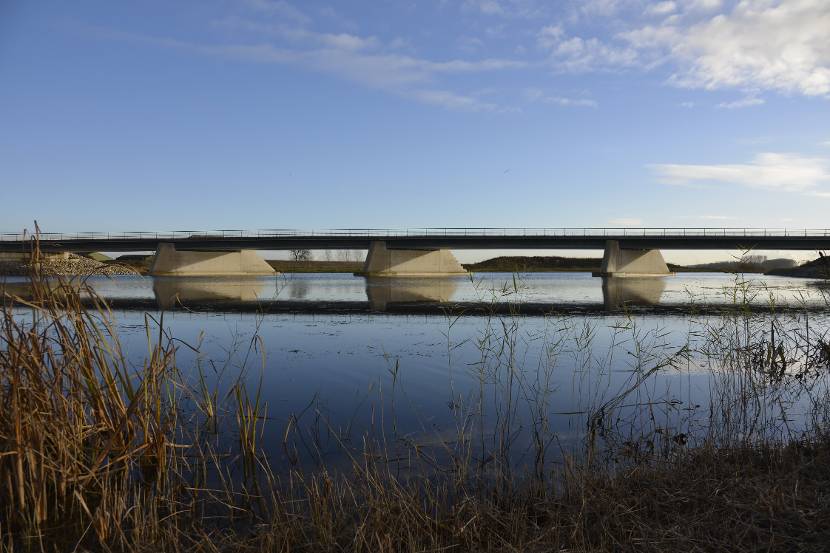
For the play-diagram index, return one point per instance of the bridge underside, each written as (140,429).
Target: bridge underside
(169,261)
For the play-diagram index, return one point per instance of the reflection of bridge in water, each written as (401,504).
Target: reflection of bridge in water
(391,296)
(382,294)
(171,293)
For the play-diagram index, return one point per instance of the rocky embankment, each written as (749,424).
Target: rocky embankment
(69,265)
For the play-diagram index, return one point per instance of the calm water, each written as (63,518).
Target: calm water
(419,378)
(547,288)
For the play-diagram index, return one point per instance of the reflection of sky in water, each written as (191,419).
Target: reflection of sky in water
(557,288)
(339,369)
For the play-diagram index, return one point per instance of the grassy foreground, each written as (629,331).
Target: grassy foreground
(100,454)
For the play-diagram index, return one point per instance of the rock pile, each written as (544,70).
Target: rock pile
(67,265)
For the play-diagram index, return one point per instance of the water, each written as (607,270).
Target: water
(554,289)
(424,379)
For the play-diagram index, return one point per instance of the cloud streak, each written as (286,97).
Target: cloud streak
(774,171)
(365,60)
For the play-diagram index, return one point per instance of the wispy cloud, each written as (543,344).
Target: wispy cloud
(746,102)
(366,60)
(577,54)
(505,8)
(487,7)
(280,8)
(775,171)
(539,95)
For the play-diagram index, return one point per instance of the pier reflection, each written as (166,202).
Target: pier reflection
(172,292)
(618,292)
(385,291)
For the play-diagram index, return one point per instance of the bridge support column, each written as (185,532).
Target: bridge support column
(169,261)
(389,262)
(619,262)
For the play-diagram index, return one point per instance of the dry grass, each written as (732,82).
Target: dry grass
(97,454)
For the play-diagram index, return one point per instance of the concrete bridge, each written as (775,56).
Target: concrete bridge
(417,252)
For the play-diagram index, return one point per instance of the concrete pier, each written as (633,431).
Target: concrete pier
(387,262)
(169,261)
(618,262)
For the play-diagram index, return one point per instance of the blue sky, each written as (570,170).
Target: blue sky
(276,114)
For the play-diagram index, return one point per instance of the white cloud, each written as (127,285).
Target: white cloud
(756,45)
(701,5)
(781,46)
(776,171)
(687,105)
(661,8)
(745,102)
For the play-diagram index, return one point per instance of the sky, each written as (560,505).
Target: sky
(256,114)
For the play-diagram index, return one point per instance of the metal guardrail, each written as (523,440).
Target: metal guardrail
(674,232)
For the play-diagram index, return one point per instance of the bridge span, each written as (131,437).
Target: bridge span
(417,252)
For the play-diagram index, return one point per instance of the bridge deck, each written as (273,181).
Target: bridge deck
(452,238)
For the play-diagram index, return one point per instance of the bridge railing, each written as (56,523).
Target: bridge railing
(426,232)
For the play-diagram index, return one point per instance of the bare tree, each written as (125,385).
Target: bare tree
(301,255)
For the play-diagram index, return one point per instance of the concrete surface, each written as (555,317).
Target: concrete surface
(387,262)
(169,261)
(620,262)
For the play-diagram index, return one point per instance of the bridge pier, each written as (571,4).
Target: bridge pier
(619,262)
(391,262)
(169,261)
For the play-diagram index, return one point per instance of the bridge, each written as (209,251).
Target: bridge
(415,252)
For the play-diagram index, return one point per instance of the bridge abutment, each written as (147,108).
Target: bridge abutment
(619,262)
(383,261)
(169,261)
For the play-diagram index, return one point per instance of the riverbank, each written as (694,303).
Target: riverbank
(817,268)
(68,264)
(530,264)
